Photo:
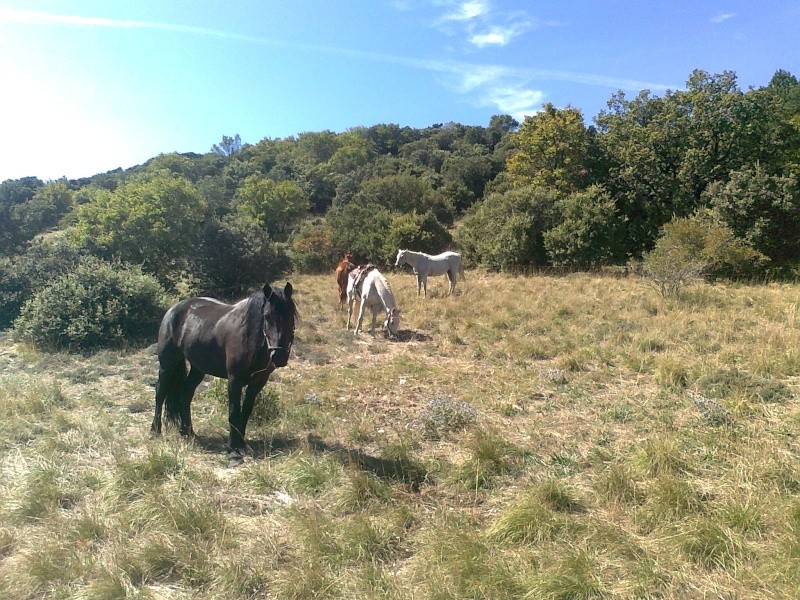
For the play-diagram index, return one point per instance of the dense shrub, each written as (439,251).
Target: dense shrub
(233,256)
(24,274)
(96,305)
(314,247)
(153,219)
(589,230)
(697,246)
(420,232)
(504,231)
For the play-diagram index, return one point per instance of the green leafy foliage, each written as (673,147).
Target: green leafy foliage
(14,195)
(21,276)
(551,192)
(588,232)
(234,256)
(97,305)
(275,206)
(505,230)
(761,208)
(152,219)
(552,149)
(314,247)
(693,247)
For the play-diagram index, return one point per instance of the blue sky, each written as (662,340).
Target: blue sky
(92,85)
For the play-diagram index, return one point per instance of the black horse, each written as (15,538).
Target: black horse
(243,343)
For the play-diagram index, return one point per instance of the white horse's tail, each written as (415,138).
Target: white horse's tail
(461,272)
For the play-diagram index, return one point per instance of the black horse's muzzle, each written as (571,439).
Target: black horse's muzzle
(280,356)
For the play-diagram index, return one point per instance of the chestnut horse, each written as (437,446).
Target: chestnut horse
(342,271)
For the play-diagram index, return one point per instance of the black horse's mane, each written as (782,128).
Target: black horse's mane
(254,314)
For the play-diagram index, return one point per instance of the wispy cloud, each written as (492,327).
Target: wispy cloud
(467,11)
(511,90)
(11,15)
(722,17)
(498,35)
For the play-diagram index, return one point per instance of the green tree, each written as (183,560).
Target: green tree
(13,194)
(234,256)
(762,209)
(782,105)
(275,205)
(551,150)
(588,232)
(420,232)
(405,193)
(662,153)
(42,211)
(315,247)
(360,228)
(504,231)
(153,220)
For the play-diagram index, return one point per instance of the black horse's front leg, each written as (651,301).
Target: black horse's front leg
(237,426)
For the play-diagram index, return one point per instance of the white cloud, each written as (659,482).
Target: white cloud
(498,36)
(722,17)
(467,11)
(517,101)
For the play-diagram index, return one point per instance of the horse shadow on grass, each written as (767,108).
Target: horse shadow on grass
(404,469)
(409,335)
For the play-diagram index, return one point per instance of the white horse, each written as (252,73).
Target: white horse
(375,292)
(425,264)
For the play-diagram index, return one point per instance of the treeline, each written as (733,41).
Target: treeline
(712,166)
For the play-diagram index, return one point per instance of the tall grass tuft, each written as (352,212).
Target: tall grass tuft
(539,514)
(574,577)
(712,545)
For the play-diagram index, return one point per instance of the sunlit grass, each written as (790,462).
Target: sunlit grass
(542,437)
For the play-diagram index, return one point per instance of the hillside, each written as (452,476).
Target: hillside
(529,437)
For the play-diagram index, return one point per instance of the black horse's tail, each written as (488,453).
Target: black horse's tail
(174,380)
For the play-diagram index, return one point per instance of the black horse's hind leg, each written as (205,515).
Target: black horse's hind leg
(187,393)
(161,394)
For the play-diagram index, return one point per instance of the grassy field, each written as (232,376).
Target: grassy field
(533,437)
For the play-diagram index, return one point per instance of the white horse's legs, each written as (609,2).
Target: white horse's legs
(360,316)
(350,302)
(451,277)
(375,310)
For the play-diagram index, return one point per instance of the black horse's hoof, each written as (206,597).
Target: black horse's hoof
(235,459)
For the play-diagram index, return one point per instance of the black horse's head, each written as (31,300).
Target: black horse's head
(280,313)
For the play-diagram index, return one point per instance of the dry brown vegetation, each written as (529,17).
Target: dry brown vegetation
(530,437)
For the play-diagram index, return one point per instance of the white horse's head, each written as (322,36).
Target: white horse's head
(392,322)
(401,257)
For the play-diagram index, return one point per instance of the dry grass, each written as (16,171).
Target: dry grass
(542,437)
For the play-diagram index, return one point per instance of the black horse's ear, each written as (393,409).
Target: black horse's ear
(287,291)
(267,291)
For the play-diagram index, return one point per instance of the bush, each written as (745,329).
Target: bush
(504,230)
(97,305)
(697,246)
(21,276)
(233,256)
(589,230)
(314,247)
